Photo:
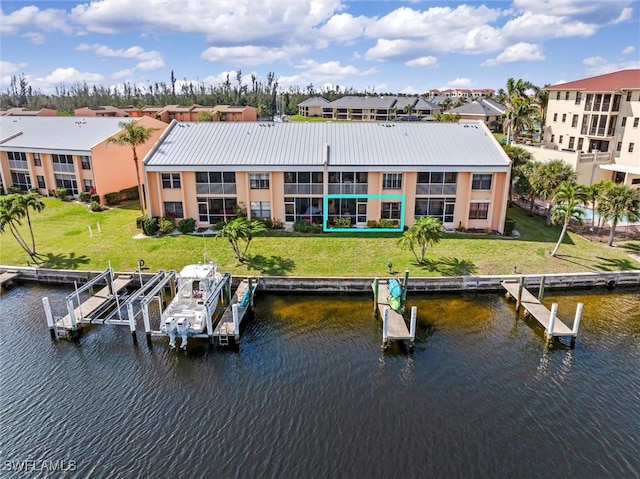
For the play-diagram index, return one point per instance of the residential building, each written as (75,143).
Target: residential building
(43,154)
(312,106)
(101,111)
(367,171)
(593,125)
(192,113)
(25,112)
(483,109)
(379,108)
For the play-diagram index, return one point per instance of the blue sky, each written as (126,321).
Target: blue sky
(381,46)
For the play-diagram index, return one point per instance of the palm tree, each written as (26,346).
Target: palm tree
(547,178)
(617,202)
(34,202)
(134,135)
(593,192)
(522,177)
(425,232)
(241,230)
(568,198)
(541,100)
(520,115)
(12,212)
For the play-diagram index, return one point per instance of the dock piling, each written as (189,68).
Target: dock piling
(376,285)
(576,323)
(249,279)
(404,287)
(541,291)
(385,327)
(49,315)
(414,317)
(519,298)
(236,321)
(552,321)
(147,324)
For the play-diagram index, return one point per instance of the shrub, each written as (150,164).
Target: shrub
(14,189)
(387,223)
(277,225)
(113,198)
(130,193)
(95,197)
(165,226)
(187,225)
(62,193)
(372,224)
(140,221)
(84,197)
(95,207)
(509,226)
(150,226)
(342,222)
(306,227)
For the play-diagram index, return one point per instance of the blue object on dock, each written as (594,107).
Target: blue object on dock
(395,289)
(245,298)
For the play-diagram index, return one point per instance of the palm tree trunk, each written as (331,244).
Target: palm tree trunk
(564,231)
(23,244)
(140,192)
(612,234)
(33,240)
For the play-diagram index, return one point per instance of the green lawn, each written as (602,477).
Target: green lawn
(62,234)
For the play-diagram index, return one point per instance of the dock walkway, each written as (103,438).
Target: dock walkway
(8,277)
(397,327)
(83,313)
(226,327)
(553,326)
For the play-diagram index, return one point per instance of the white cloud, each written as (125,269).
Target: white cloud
(249,55)
(628,50)
(597,12)
(387,49)
(533,26)
(599,66)
(409,90)
(520,52)
(328,72)
(49,20)
(147,60)
(457,83)
(8,68)
(222,21)
(35,38)
(70,75)
(344,28)
(422,62)
(123,74)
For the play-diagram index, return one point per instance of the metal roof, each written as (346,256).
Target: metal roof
(314,101)
(478,107)
(620,80)
(56,133)
(364,102)
(260,145)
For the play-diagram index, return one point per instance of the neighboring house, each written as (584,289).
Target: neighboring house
(43,154)
(312,106)
(593,125)
(234,113)
(101,111)
(25,112)
(456,172)
(379,108)
(488,111)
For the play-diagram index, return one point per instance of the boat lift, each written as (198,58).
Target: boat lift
(211,305)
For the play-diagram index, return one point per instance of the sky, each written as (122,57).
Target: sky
(371,46)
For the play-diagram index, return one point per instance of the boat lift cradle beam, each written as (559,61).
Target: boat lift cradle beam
(168,279)
(107,274)
(128,304)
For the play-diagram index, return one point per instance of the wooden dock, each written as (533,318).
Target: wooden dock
(8,277)
(553,326)
(83,313)
(226,327)
(397,326)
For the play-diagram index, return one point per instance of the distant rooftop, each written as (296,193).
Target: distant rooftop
(620,80)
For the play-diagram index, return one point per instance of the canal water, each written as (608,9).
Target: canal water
(309,394)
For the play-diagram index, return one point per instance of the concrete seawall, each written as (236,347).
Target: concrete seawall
(609,279)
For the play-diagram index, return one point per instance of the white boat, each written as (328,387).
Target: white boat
(193,303)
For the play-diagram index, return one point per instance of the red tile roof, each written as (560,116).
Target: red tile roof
(623,79)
